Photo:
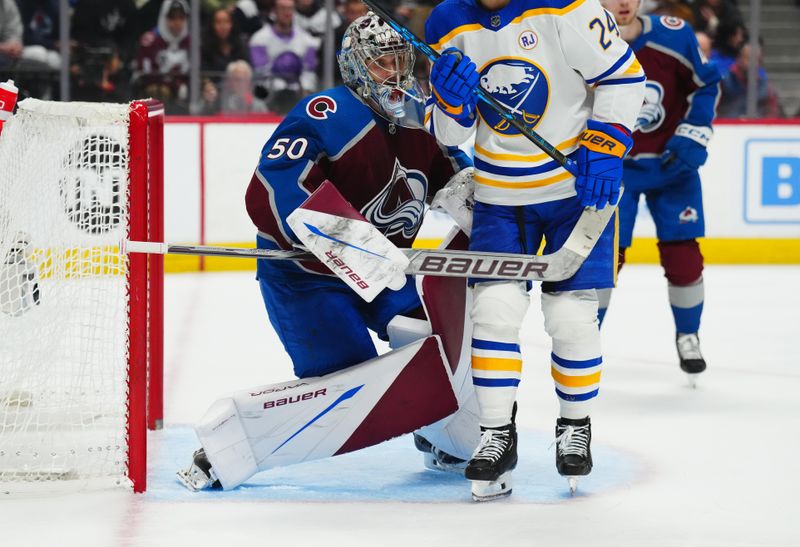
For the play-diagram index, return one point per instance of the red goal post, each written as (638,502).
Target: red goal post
(81,324)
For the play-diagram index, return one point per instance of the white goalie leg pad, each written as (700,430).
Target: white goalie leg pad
(571,321)
(313,418)
(336,233)
(404,330)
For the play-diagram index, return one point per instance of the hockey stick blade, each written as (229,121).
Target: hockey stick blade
(556,266)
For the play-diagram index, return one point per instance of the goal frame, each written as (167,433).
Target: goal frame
(146,284)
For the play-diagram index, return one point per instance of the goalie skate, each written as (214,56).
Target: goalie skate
(438,460)
(199,475)
(691,360)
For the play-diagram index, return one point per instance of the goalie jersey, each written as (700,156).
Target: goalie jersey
(555,64)
(386,173)
(682,86)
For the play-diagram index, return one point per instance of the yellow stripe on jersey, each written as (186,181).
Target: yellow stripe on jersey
(523,157)
(600,142)
(456,31)
(634,68)
(575,381)
(532,184)
(496,363)
(547,11)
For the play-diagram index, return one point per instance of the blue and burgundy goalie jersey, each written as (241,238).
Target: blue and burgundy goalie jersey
(387,173)
(682,86)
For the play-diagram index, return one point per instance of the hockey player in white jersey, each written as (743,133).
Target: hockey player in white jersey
(560,66)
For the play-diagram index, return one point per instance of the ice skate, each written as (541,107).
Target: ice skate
(491,464)
(438,460)
(573,450)
(692,362)
(199,475)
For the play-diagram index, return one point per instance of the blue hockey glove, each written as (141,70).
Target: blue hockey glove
(454,81)
(602,147)
(685,151)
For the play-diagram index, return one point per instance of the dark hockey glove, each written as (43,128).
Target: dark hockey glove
(453,82)
(602,147)
(685,151)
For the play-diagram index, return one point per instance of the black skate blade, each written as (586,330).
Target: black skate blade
(492,490)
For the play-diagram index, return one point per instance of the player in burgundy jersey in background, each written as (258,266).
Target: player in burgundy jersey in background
(670,141)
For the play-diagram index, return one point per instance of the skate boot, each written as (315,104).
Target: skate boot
(199,475)
(491,464)
(692,362)
(573,449)
(438,460)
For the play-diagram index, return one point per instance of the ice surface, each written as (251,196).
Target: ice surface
(674,466)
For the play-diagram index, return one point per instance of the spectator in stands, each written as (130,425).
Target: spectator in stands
(162,60)
(312,17)
(222,43)
(729,40)
(733,103)
(96,23)
(251,15)
(284,54)
(237,95)
(40,32)
(10,34)
(97,75)
(710,14)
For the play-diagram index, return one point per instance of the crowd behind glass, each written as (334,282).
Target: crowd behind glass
(260,56)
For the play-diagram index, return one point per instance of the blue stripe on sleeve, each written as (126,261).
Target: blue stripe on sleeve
(568,363)
(497,346)
(495,382)
(576,397)
(622,60)
(622,81)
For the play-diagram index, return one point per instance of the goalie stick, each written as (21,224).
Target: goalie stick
(493,103)
(556,266)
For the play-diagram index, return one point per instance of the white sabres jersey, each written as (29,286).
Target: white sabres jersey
(555,64)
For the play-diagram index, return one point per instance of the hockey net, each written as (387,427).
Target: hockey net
(80,322)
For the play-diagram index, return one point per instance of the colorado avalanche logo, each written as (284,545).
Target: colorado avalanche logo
(399,206)
(652,114)
(520,86)
(674,23)
(688,215)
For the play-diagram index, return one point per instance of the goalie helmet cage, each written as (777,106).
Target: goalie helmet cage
(81,324)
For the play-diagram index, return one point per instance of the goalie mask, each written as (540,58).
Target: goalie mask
(377,64)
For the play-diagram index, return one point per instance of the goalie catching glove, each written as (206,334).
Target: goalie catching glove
(602,147)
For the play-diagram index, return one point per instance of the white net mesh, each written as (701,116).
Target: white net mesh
(63,303)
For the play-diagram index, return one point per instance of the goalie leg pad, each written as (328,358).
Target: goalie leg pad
(313,418)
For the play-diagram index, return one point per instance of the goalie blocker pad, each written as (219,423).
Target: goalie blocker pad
(352,248)
(313,418)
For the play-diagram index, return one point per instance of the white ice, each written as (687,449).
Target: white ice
(674,466)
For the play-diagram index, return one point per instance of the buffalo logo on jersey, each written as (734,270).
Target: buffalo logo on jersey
(400,205)
(520,86)
(652,114)
(318,107)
